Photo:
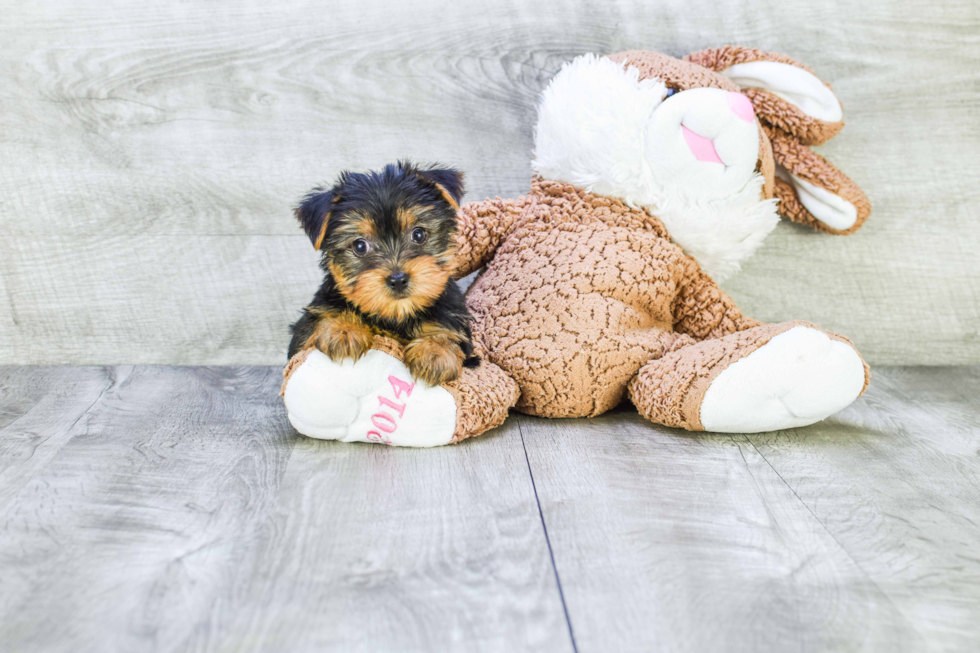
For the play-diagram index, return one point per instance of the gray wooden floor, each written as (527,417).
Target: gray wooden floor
(174,509)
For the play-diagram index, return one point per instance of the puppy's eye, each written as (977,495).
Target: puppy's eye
(419,236)
(670,91)
(360,247)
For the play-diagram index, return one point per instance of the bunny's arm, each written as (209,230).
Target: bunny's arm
(481,228)
(703,310)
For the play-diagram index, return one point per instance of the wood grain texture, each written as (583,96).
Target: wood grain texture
(184,514)
(150,154)
(858,533)
(430,550)
(174,509)
(41,409)
(132,536)
(666,541)
(896,481)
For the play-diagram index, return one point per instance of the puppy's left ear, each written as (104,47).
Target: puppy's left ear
(314,212)
(448,182)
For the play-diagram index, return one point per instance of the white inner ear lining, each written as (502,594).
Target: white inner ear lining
(832,210)
(799,87)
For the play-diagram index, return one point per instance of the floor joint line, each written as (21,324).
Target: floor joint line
(547,540)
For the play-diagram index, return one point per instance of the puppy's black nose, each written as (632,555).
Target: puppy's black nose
(397,281)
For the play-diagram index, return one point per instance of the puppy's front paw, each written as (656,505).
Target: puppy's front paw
(345,339)
(434,360)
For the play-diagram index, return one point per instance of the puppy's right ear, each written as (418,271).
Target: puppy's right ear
(448,181)
(314,212)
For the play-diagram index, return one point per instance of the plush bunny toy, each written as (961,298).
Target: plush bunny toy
(652,173)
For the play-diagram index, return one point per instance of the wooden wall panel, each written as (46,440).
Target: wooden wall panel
(150,154)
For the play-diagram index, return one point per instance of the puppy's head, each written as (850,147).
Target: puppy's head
(387,237)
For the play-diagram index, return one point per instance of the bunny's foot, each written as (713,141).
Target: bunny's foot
(767,378)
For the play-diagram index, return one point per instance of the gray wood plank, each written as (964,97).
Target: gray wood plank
(130,536)
(858,533)
(41,409)
(150,154)
(185,514)
(896,480)
(404,550)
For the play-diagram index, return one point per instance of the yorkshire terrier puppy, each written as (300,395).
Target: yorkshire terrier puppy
(388,243)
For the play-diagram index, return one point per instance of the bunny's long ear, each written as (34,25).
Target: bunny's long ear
(813,191)
(784,92)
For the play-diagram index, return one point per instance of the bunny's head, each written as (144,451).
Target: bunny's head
(714,145)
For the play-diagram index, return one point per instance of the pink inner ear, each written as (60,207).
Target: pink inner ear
(702,148)
(741,106)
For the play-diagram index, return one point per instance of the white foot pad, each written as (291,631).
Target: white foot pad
(372,400)
(799,377)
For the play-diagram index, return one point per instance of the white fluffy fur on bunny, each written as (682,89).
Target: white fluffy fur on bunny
(602,128)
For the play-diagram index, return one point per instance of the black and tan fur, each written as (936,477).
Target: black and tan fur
(381,276)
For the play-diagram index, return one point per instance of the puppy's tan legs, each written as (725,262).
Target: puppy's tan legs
(340,335)
(434,354)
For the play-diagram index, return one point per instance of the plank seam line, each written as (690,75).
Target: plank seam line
(834,538)
(547,540)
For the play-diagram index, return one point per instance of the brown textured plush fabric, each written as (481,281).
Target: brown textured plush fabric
(670,390)
(582,292)
(675,73)
(483,397)
(779,113)
(769,106)
(481,226)
(702,310)
(726,56)
(810,166)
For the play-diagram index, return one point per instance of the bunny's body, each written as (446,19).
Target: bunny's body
(651,174)
(582,292)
